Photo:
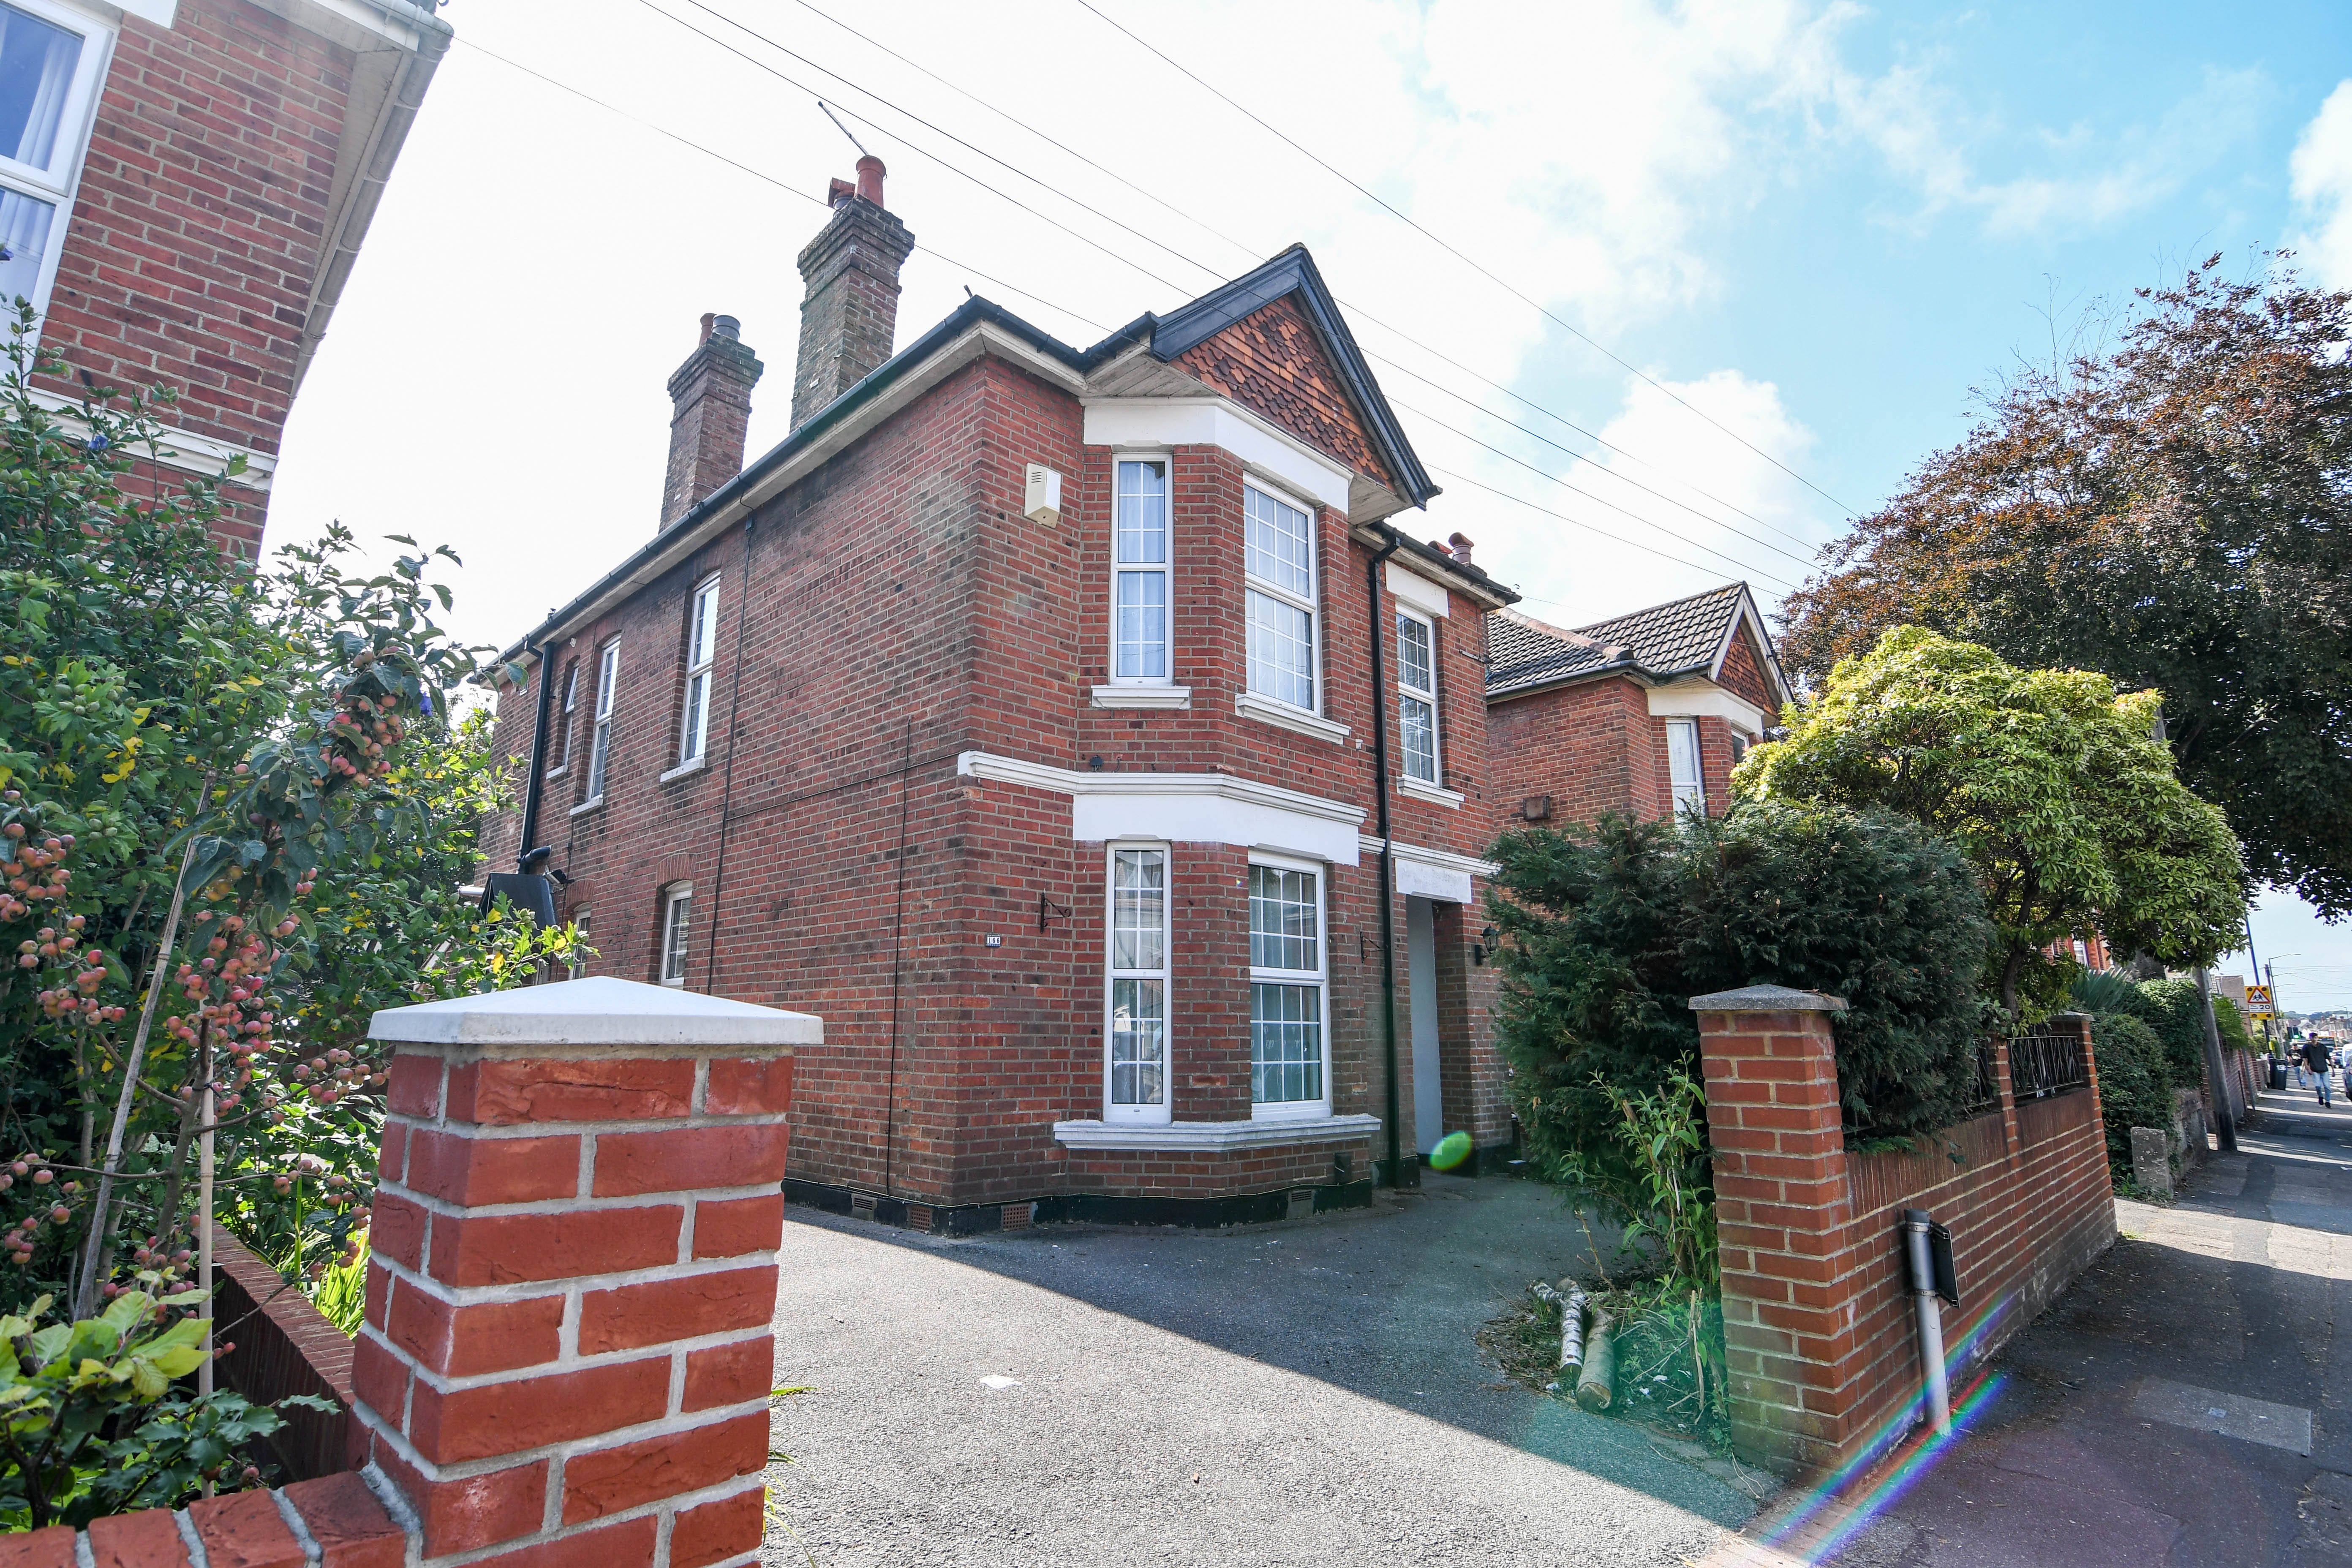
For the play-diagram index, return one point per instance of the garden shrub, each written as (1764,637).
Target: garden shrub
(1608,932)
(2170,1009)
(2135,1083)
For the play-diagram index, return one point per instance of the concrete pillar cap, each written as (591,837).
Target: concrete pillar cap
(1758,999)
(597,1011)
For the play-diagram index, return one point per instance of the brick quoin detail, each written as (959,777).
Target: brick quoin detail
(565,1353)
(1824,1363)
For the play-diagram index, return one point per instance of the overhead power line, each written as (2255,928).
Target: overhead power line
(1467,259)
(1590,528)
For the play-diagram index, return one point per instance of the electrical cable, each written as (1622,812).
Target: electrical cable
(1592,528)
(1475,265)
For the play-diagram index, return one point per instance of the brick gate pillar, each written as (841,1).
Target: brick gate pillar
(1783,1217)
(566,1350)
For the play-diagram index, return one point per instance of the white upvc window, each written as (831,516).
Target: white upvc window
(52,60)
(1139,574)
(1290,1068)
(1417,696)
(1135,1028)
(570,704)
(600,746)
(677,916)
(578,954)
(1683,767)
(701,652)
(1278,559)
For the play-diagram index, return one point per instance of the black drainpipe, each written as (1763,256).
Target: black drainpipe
(726,788)
(1388,861)
(533,787)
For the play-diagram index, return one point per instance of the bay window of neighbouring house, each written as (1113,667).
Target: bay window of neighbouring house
(701,646)
(52,58)
(1417,696)
(678,915)
(1683,767)
(1290,1072)
(600,744)
(1135,1033)
(1279,558)
(1139,574)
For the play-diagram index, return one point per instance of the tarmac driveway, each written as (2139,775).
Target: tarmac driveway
(1305,1392)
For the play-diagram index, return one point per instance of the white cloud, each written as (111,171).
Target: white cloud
(2321,173)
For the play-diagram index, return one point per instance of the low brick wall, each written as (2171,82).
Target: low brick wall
(1824,1358)
(280,1344)
(337,1521)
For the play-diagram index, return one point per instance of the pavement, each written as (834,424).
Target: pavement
(2188,1402)
(1307,1392)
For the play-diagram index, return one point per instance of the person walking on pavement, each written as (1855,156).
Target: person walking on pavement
(2314,1058)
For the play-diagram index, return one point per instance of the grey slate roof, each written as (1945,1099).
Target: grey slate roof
(1682,637)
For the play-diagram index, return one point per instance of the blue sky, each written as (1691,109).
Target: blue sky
(1822,224)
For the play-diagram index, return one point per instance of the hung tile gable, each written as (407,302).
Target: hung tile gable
(1270,363)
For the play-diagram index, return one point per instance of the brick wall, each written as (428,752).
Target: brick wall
(274,1342)
(197,232)
(343,1516)
(1817,1309)
(1592,747)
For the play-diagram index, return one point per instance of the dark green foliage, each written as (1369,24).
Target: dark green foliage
(1607,933)
(2135,1081)
(2233,1026)
(2171,1011)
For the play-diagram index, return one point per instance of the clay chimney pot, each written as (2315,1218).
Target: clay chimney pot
(869,178)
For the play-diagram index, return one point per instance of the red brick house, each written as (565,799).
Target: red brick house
(186,186)
(1634,714)
(1073,729)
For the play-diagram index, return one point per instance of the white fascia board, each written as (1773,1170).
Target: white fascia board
(1264,449)
(1433,873)
(1186,808)
(1210,1137)
(1409,587)
(182,449)
(161,13)
(1695,697)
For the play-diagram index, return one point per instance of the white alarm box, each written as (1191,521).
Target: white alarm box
(1043,502)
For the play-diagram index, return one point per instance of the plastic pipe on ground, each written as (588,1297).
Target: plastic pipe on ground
(1597,1386)
(1931,1319)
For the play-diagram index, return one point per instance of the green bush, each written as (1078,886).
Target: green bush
(1609,933)
(2171,1010)
(2227,1019)
(2135,1083)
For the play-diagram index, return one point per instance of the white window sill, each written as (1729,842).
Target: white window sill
(683,769)
(1430,792)
(556,772)
(1143,697)
(592,803)
(1283,716)
(677,985)
(1214,1137)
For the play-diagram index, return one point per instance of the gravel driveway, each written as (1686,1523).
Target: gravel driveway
(1306,1391)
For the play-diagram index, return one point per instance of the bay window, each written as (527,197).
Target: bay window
(1135,1034)
(1290,1070)
(1140,574)
(701,646)
(1417,696)
(1278,561)
(1683,766)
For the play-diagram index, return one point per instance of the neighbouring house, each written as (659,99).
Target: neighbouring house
(1643,714)
(1075,730)
(187,185)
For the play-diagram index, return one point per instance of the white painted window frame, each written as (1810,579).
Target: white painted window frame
(1426,695)
(1161,1112)
(60,184)
(1166,570)
(1697,788)
(676,943)
(578,968)
(1319,977)
(701,660)
(600,740)
(1311,603)
(570,703)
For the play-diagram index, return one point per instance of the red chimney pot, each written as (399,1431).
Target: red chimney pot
(869,178)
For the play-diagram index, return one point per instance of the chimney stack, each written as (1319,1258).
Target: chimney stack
(849,320)
(711,413)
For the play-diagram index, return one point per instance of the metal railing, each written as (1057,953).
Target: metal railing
(2043,1062)
(1988,1080)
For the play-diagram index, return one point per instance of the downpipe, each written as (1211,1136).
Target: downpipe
(1931,1319)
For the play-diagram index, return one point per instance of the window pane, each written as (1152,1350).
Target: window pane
(681,910)
(608,670)
(1276,540)
(1138,1043)
(1281,651)
(1141,533)
(24,238)
(1139,916)
(579,957)
(1412,654)
(1682,754)
(1286,1043)
(1419,727)
(1282,920)
(706,626)
(597,755)
(696,689)
(36,68)
(1142,638)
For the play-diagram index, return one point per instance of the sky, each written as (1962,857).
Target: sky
(1682,287)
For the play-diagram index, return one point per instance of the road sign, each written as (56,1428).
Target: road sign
(2258,997)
